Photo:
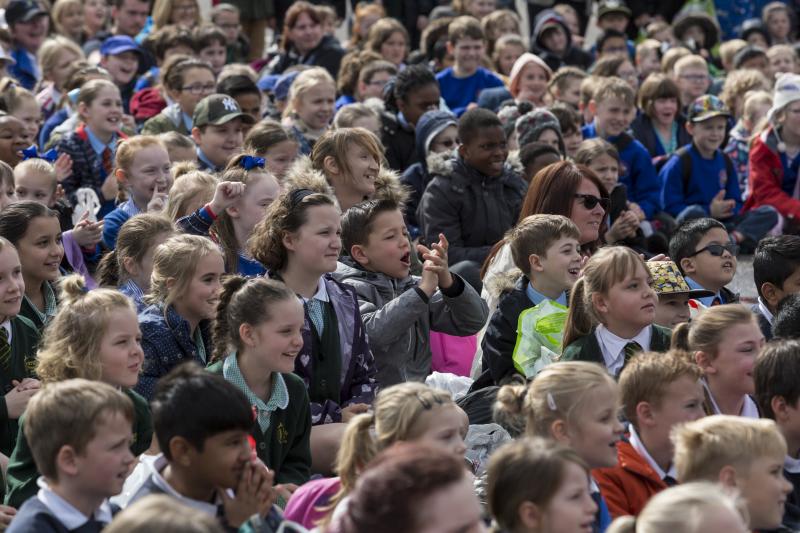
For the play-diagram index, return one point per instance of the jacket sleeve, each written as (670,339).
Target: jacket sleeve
(673,197)
(647,190)
(152,369)
(732,191)
(386,325)
(460,315)
(765,178)
(296,467)
(72,182)
(197,223)
(613,492)
(363,386)
(22,473)
(498,345)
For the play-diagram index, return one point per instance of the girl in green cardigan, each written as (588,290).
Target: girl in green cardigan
(257,336)
(95,335)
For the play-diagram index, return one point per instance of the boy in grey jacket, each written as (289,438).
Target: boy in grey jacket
(399,310)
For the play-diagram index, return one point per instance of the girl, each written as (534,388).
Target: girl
(56,57)
(736,86)
(180,148)
(560,499)
(275,143)
(186,82)
(725,341)
(34,230)
(498,24)
(358,116)
(310,107)
(184,13)
(262,321)
(93,144)
(21,103)
(240,202)
(507,50)
(299,242)
(778,20)
(191,190)
(660,127)
(366,15)
(142,170)
(408,412)
(619,66)
(575,404)
(529,78)
(389,38)
(754,109)
(176,326)
(129,265)
(95,17)
(612,310)
(8,191)
(95,336)
(68,20)
(782,59)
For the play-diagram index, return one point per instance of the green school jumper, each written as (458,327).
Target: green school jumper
(587,348)
(38,317)
(284,445)
(22,472)
(22,364)
(326,360)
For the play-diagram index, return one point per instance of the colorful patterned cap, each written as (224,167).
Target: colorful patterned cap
(667,279)
(706,107)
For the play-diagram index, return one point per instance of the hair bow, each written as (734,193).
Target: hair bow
(249,162)
(33,153)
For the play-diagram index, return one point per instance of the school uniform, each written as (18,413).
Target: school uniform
(25,68)
(723,296)
(50,513)
(749,408)
(602,346)
(113,221)
(204,163)
(602,515)
(40,317)
(22,472)
(171,118)
(765,318)
(791,514)
(132,290)
(17,362)
(283,423)
(458,93)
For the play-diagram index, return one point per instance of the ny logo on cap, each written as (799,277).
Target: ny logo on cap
(230,104)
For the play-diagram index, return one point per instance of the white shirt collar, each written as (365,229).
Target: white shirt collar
(205,507)
(7,326)
(791,465)
(638,445)
(65,512)
(749,409)
(766,312)
(321,294)
(613,346)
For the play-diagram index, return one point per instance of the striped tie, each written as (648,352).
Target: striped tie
(5,350)
(315,313)
(108,165)
(631,349)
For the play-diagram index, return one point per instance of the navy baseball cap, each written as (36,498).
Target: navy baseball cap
(119,44)
(23,11)
(267,83)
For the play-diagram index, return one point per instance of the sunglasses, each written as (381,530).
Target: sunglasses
(590,201)
(718,249)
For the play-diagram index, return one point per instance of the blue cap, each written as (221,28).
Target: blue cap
(119,44)
(283,85)
(267,83)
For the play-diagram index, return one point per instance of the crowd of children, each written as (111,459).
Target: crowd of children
(470,269)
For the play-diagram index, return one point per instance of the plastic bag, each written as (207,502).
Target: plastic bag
(540,331)
(455,385)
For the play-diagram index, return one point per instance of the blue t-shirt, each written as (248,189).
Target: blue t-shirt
(458,93)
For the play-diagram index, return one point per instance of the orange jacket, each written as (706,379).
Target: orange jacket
(628,486)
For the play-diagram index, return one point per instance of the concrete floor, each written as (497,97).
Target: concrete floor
(743,281)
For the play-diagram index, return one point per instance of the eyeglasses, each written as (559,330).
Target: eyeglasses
(186,8)
(695,78)
(590,201)
(199,89)
(718,249)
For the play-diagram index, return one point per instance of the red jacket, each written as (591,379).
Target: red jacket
(628,486)
(766,177)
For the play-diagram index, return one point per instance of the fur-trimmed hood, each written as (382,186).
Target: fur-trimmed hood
(442,164)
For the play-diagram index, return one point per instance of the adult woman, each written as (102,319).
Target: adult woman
(304,43)
(660,127)
(390,39)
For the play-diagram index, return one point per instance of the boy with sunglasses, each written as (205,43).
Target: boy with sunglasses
(700,180)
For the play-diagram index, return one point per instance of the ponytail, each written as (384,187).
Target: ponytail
(579,319)
(623,524)
(107,270)
(508,410)
(680,337)
(220,331)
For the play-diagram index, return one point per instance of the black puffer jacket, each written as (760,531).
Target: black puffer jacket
(328,54)
(398,140)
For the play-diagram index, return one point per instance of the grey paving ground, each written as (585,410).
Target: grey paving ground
(743,281)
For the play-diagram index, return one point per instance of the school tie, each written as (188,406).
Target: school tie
(631,349)
(5,350)
(315,313)
(670,481)
(598,500)
(716,301)
(108,165)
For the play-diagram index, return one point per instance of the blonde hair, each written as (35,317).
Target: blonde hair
(561,78)
(752,100)
(647,47)
(607,267)
(51,49)
(127,149)
(689,61)
(777,49)
(728,49)
(162,11)
(559,392)
(136,236)
(613,87)
(705,446)
(738,83)
(588,87)
(174,140)
(187,186)
(680,509)
(671,56)
(91,90)
(70,346)
(706,331)
(176,259)
(347,115)
(159,513)
(58,9)
(39,166)
(305,81)
(336,143)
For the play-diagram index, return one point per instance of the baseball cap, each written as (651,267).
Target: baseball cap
(119,44)
(23,11)
(667,279)
(284,83)
(612,6)
(706,107)
(218,109)
(267,83)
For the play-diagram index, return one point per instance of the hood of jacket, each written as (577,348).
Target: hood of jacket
(347,268)
(519,65)
(547,18)
(429,126)
(445,163)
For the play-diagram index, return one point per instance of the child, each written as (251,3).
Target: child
(529,78)
(159,513)
(93,144)
(35,232)
(563,400)
(79,431)
(240,202)
(227,17)
(13,139)
(706,257)
(756,104)
(724,342)
(536,156)
(176,324)
(275,143)
(553,41)
(787,319)
(782,58)
(121,56)
(186,82)
(740,454)
(659,392)
(565,85)
(56,57)
(22,104)
(691,74)
(400,310)
(461,83)
(310,108)
(612,106)
(262,321)
(612,311)
(660,128)
(218,129)
(8,192)
(560,494)
(674,294)
(210,46)
(689,194)
(491,198)
(246,93)
(778,20)
(776,272)
(95,336)
(648,58)
(546,249)
(202,423)
(28,25)
(129,265)
(775,375)
(191,190)
(506,51)
(142,170)
(180,147)
(358,115)
(570,122)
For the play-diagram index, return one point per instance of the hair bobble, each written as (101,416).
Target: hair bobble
(33,153)
(249,162)
(298,196)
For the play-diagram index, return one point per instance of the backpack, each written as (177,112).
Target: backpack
(686,164)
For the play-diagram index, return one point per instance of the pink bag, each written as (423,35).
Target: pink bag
(452,354)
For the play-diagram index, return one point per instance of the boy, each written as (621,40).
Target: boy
(552,41)
(739,453)
(121,57)
(28,24)
(203,425)
(613,105)
(787,321)
(673,294)
(399,310)
(611,42)
(776,272)
(246,93)
(80,433)
(706,257)
(648,58)
(462,83)
(546,249)
(209,45)
(569,120)
(777,380)
(658,392)
(700,180)
(691,75)
(218,130)
(227,18)
(476,201)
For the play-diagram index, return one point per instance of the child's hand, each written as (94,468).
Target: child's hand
(63,166)
(352,410)
(634,207)
(436,261)
(623,227)
(17,400)
(158,202)
(6,514)
(720,207)
(128,123)
(87,234)
(27,384)
(429,279)
(248,498)
(227,194)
